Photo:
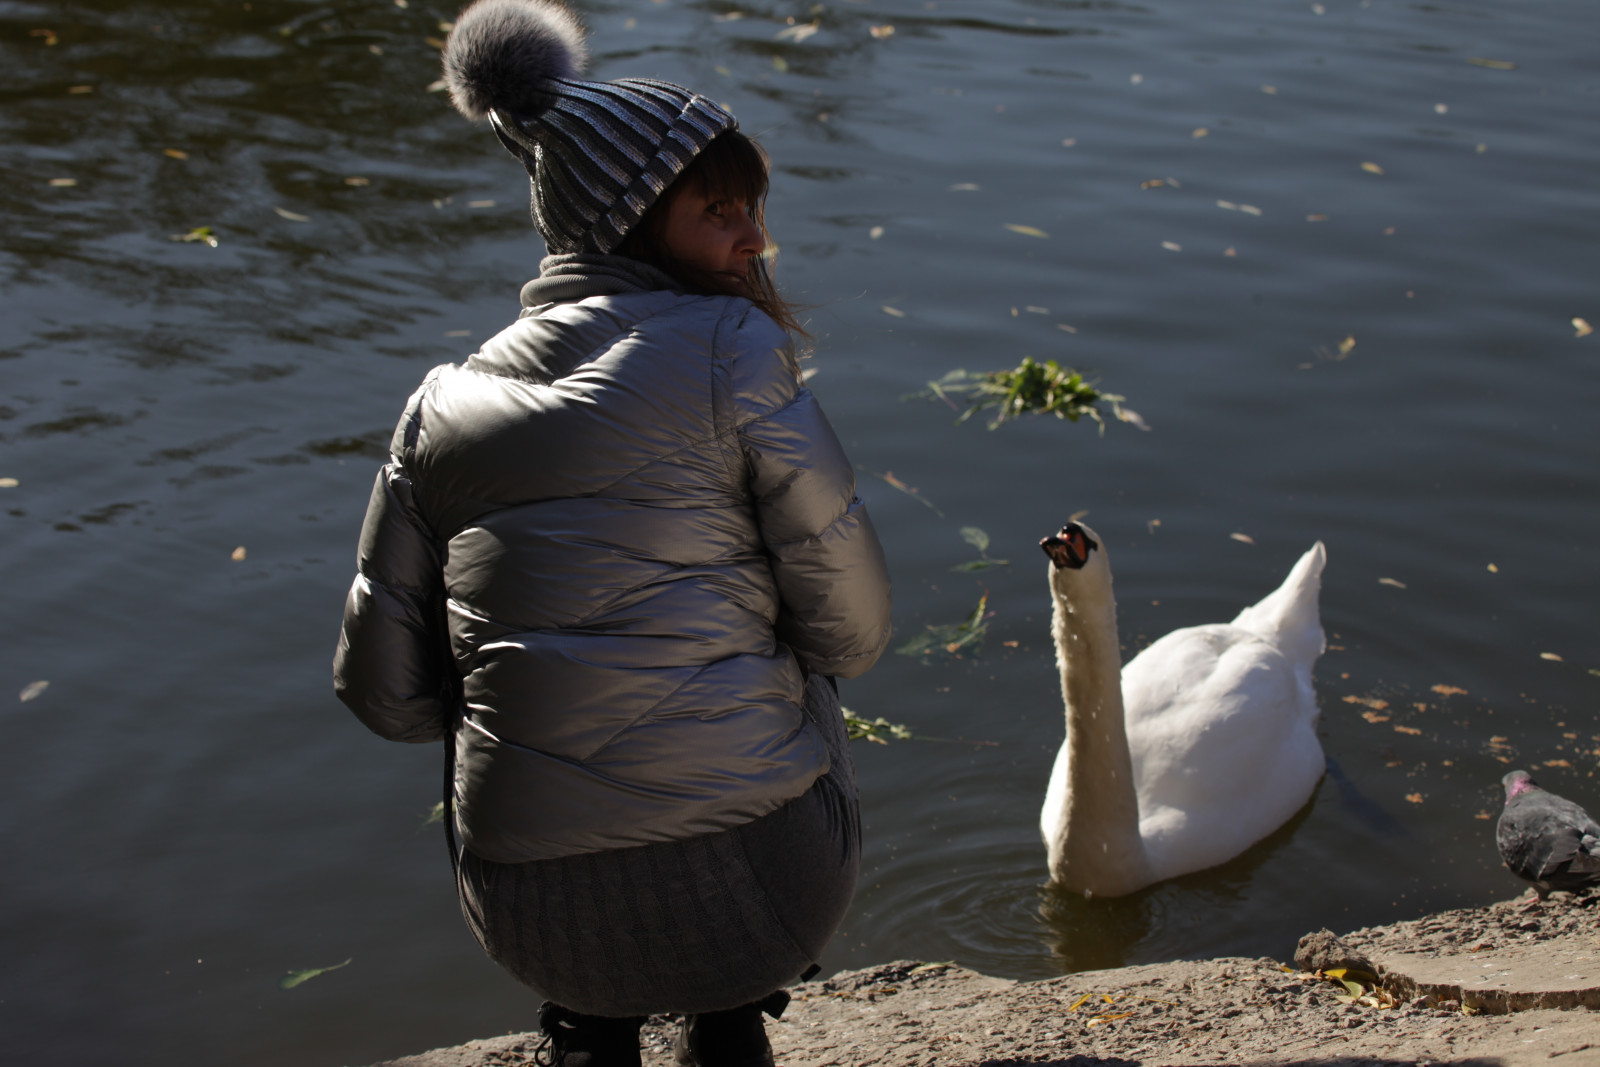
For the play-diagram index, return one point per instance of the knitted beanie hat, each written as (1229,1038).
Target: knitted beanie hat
(598,153)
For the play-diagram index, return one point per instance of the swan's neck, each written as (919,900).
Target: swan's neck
(1096,845)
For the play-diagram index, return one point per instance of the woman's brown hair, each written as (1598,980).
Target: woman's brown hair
(731,167)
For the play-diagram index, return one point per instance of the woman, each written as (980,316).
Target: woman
(616,560)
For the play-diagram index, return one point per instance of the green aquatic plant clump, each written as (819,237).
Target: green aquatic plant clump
(1030,388)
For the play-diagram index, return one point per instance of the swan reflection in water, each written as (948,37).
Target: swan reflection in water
(1183,917)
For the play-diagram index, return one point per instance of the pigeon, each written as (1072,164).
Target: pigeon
(1545,839)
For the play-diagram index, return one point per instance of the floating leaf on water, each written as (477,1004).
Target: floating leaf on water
(202,234)
(1026,231)
(1413,798)
(1481,149)
(32,691)
(1153,183)
(975,537)
(1583,327)
(1065,328)
(1249,209)
(458,333)
(780,64)
(1449,690)
(174,153)
(1172,246)
(1346,345)
(1230,251)
(1243,538)
(1227,205)
(798,33)
(294,978)
(1316,217)
(1492,64)
(79,90)
(1395,582)
(438,86)
(1152,525)
(1033,310)
(896,312)
(1136,79)
(1374,718)
(1318,9)
(1376,703)
(1552,657)
(434,42)
(50,37)
(292,216)
(881,32)
(875,233)
(1200,131)
(377,49)
(1556,763)
(435,814)
(809,373)
(480,203)
(964,187)
(63,183)
(630,23)
(728,16)
(402,3)
(1372,168)
(1270,90)
(888,476)
(1068,142)
(1407,730)
(238,554)
(9,483)
(1133,418)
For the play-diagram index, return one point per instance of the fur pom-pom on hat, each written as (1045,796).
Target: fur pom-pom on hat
(502,51)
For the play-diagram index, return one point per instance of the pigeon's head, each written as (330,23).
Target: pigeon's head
(1517,783)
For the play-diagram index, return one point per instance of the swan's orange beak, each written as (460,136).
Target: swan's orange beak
(1070,548)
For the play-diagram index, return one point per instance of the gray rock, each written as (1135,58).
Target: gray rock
(1322,950)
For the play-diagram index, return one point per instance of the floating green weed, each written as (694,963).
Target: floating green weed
(1030,388)
(874,731)
(975,537)
(951,638)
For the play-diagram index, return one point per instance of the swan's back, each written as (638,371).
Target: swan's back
(1221,723)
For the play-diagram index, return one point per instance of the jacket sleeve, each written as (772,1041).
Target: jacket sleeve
(831,574)
(392,666)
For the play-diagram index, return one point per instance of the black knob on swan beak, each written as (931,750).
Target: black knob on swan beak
(1070,548)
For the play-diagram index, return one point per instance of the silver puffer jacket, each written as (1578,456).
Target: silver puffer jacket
(612,541)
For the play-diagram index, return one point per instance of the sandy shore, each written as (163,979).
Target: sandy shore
(1508,984)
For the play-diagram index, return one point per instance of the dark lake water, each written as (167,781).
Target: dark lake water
(191,815)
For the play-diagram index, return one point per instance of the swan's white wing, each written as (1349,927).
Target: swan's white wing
(1221,727)
(1288,617)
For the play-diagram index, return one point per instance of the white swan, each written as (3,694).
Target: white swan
(1201,746)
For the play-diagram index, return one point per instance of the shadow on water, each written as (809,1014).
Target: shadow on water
(1139,926)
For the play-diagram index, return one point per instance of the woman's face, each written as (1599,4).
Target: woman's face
(715,235)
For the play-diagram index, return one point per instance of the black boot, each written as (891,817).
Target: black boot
(733,1038)
(574,1040)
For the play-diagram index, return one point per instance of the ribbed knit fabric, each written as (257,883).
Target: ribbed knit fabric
(600,153)
(701,925)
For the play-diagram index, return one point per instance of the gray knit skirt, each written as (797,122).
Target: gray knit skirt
(699,925)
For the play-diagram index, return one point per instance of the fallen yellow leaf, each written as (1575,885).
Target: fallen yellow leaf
(9,483)
(1492,64)
(1583,328)
(1376,703)
(1026,231)
(1243,538)
(1551,656)
(1493,569)
(1172,246)
(1397,583)
(1449,690)
(1347,344)
(1556,763)
(1201,131)
(896,312)
(238,554)
(175,153)
(1407,730)
(880,32)
(63,183)
(1374,717)
(1372,168)
(32,690)
(1414,798)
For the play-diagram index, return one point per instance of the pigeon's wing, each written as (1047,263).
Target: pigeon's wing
(1554,830)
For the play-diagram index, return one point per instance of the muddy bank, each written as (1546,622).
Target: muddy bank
(1476,986)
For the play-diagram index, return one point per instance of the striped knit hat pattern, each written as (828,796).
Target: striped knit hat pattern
(598,154)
